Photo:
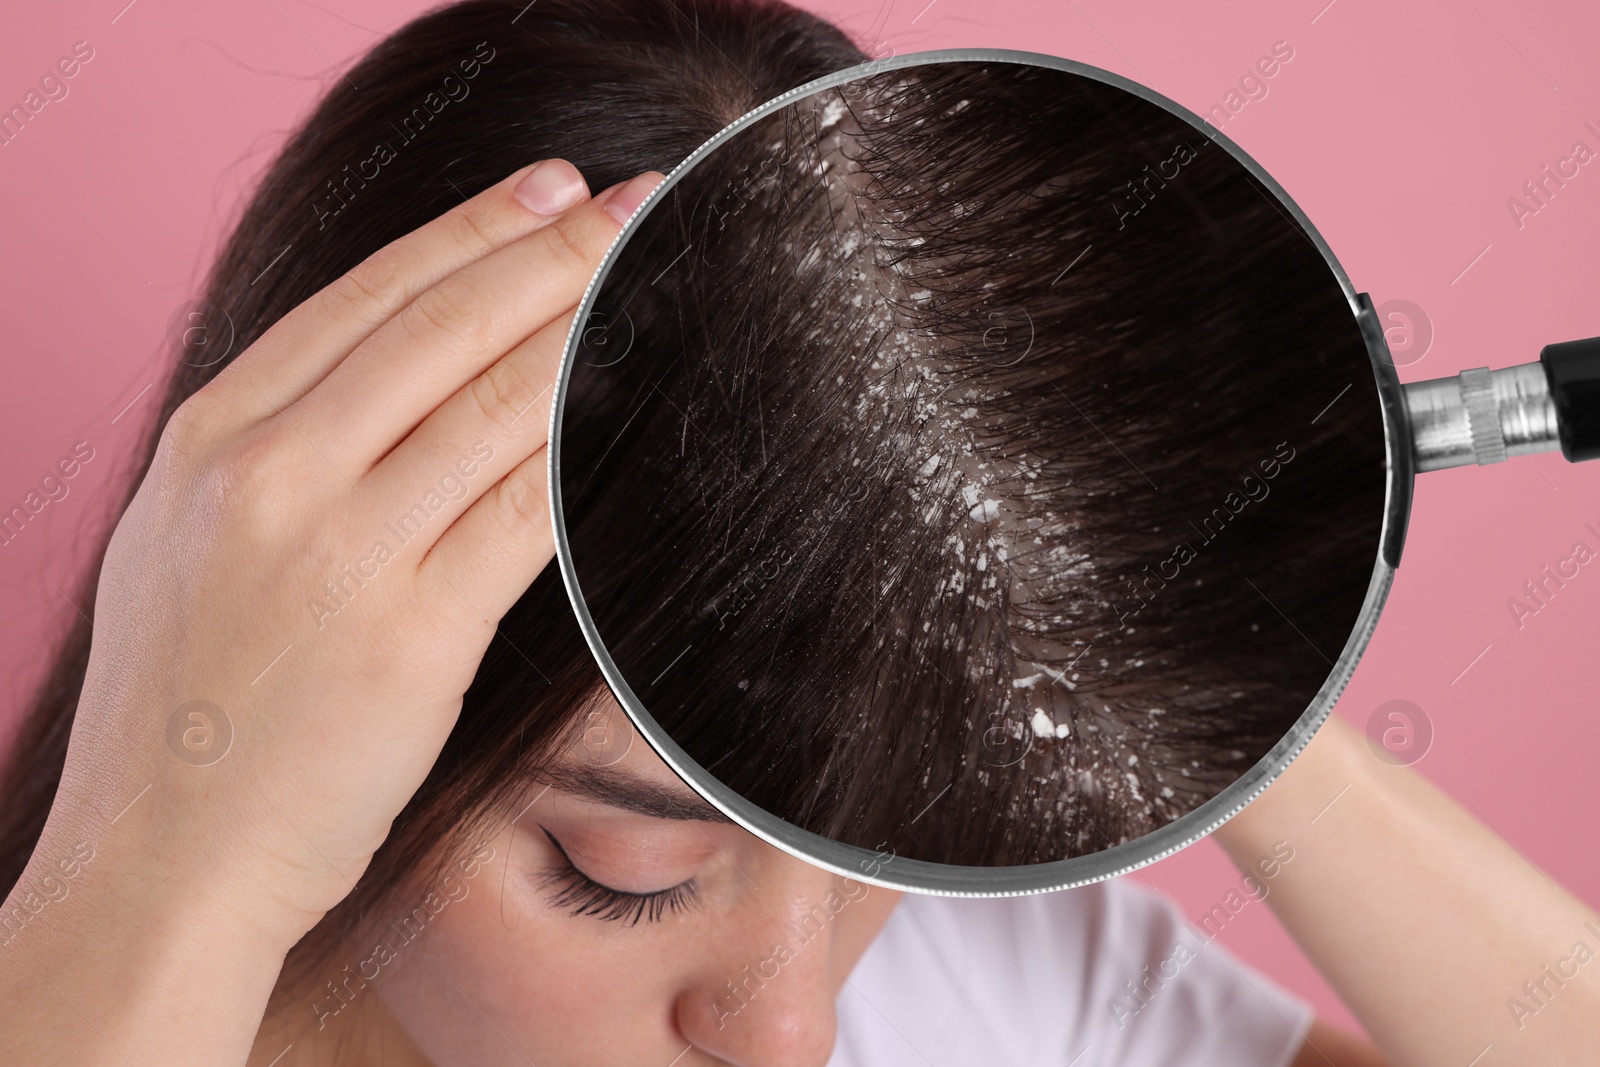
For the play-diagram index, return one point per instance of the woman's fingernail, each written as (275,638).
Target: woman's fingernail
(621,204)
(552,186)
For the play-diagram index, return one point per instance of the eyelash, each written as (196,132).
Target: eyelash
(582,895)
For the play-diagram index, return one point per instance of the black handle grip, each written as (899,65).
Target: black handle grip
(1573,370)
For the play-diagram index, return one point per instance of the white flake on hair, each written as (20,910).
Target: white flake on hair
(832,112)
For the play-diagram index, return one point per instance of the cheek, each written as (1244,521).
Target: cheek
(859,922)
(562,989)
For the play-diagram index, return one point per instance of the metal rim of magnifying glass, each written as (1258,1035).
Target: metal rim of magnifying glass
(925,876)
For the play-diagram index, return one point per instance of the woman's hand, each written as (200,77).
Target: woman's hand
(290,612)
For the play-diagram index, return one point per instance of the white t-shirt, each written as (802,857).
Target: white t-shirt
(1107,975)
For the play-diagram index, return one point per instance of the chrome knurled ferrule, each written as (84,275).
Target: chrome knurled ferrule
(1481,416)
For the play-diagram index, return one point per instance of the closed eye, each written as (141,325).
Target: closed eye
(582,895)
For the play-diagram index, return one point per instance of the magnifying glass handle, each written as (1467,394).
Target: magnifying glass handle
(1486,416)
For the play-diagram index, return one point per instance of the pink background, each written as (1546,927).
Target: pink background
(1400,128)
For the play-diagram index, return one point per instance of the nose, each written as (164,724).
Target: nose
(765,997)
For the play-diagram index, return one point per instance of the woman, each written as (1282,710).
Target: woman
(401,828)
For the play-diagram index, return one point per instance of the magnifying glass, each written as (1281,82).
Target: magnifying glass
(975,475)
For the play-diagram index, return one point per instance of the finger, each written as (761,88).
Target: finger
(456,329)
(471,441)
(300,349)
(492,554)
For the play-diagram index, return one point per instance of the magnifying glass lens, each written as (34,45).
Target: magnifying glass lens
(972,462)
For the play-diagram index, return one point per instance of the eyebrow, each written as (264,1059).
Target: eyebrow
(631,793)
